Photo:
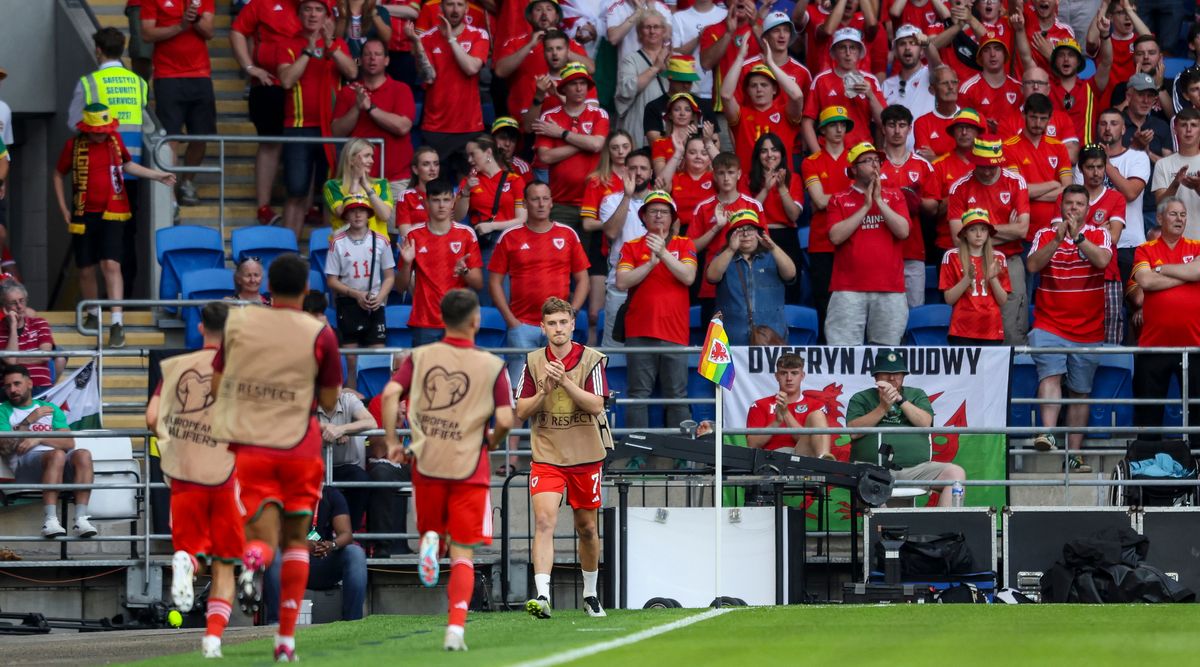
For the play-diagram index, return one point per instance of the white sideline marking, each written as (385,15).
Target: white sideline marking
(587,651)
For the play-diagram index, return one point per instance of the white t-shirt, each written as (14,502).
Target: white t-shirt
(46,423)
(1164,173)
(914,94)
(633,228)
(6,120)
(350,260)
(1131,164)
(686,26)
(617,13)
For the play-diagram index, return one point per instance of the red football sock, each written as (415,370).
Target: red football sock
(264,554)
(292,581)
(217,616)
(462,585)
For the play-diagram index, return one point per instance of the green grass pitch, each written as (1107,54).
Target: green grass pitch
(851,635)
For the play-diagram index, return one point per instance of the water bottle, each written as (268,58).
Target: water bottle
(957,493)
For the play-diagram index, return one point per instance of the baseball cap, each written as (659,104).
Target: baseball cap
(776,19)
(833,115)
(1141,81)
(846,35)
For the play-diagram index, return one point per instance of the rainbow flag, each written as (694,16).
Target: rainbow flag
(716,364)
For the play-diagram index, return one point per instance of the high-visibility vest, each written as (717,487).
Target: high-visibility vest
(124,93)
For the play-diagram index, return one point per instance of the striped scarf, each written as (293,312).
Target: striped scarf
(118,200)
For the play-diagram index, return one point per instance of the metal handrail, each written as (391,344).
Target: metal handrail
(156,143)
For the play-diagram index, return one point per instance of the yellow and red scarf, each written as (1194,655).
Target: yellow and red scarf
(118,200)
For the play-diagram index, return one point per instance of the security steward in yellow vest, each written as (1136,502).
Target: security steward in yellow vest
(206,520)
(561,392)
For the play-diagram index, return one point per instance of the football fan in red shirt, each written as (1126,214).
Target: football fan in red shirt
(847,86)
(869,223)
(531,56)
(410,204)
(436,257)
(992,92)
(1071,255)
(569,140)
(1060,126)
(778,33)
(1106,208)
(825,175)
(311,65)
(1041,160)
(773,102)
(903,169)
(1167,288)
(711,215)
(974,280)
(183,88)
(789,408)
(656,270)
(931,132)
(449,58)
(1005,197)
(1036,25)
(721,42)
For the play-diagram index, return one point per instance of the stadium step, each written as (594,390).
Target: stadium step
(133,338)
(66,318)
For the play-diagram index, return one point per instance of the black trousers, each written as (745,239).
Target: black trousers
(387,509)
(789,243)
(821,266)
(1152,375)
(356,498)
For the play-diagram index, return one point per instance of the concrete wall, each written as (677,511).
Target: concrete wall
(30,61)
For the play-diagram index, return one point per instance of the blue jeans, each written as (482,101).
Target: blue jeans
(348,566)
(1164,17)
(526,336)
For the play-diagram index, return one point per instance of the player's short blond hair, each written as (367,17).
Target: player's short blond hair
(556,305)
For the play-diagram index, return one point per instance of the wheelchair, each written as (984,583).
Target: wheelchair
(1155,496)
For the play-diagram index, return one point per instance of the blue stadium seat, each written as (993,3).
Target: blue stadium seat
(933,295)
(618,383)
(1173,67)
(202,284)
(182,249)
(581,326)
(928,325)
(374,371)
(265,243)
(1023,383)
(1173,415)
(802,325)
(696,329)
(318,247)
(1114,379)
(316,281)
(493,330)
(398,333)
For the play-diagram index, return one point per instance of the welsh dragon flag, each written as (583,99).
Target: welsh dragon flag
(78,395)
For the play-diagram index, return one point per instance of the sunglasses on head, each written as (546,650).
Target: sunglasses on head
(248,258)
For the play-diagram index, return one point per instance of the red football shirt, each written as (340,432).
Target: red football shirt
(32,336)
(713,34)
(522,82)
(102,173)
(1058,31)
(1081,103)
(792,68)
(773,213)
(658,306)
(509,20)
(568,178)
(752,123)
(1047,161)
(703,218)
(762,415)
(309,103)
(329,374)
(410,207)
(831,173)
(268,24)
(501,396)
(431,14)
(872,259)
(1110,205)
(828,90)
(184,56)
(595,191)
(1005,199)
(991,103)
(393,97)
(1069,302)
(1060,127)
(452,102)
(483,196)
(932,131)
(433,269)
(976,313)
(687,193)
(818,43)
(910,175)
(1170,316)
(539,265)
(946,170)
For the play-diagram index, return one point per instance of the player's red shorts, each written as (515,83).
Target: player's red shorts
(581,483)
(292,483)
(449,508)
(207,520)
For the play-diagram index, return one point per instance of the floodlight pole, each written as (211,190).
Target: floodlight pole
(718,494)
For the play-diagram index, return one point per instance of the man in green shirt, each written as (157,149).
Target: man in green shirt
(44,460)
(890,403)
